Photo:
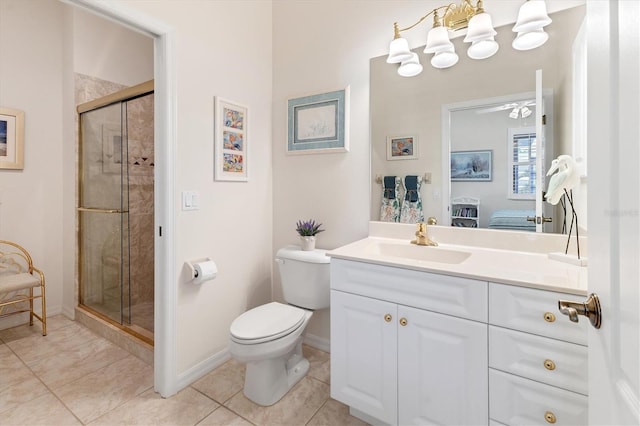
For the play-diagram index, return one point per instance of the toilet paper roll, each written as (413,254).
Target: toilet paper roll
(204,271)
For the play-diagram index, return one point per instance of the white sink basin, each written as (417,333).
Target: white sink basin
(421,253)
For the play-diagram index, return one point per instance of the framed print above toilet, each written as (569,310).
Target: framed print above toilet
(318,123)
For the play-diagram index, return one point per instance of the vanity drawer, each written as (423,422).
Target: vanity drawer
(517,401)
(460,297)
(545,360)
(534,311)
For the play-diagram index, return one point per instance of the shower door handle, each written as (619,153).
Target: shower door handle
(87,209)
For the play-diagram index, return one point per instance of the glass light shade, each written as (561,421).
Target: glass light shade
(483,49)
(532,16)
(410,67)
(444,59)
(514,113)
(530,40)
(399,51)
(480,28)
(438,40)
(525,112)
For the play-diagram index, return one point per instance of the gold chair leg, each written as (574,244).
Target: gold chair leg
(31,306)
(44,311)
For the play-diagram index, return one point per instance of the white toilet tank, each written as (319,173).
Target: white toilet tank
(304,276)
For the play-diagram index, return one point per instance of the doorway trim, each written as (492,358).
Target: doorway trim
(165,368)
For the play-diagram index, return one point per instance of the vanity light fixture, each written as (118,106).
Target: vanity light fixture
(532,18)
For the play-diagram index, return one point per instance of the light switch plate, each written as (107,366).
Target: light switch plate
(190,200)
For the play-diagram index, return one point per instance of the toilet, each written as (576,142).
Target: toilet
(268,338)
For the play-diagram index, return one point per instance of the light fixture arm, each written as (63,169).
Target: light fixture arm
(436,20)
(532,17)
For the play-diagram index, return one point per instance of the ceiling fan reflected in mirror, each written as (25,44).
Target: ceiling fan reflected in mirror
(518,109)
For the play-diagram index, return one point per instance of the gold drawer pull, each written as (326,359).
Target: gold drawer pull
(550,417)
(387,318)
(403,321)
(549,365)
(549,317)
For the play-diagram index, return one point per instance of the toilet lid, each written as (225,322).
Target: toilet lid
(267,322)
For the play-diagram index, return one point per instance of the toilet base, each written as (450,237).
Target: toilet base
(267,381)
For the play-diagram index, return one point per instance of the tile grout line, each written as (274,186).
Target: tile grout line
(52,392)
(43,383)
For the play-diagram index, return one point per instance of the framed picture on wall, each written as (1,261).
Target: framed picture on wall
(11,139)
(402,148)
(471,166)
(231,141)
(318,123)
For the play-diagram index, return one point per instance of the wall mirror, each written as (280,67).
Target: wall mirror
(480,108)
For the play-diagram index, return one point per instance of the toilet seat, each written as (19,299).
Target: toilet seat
(266,322)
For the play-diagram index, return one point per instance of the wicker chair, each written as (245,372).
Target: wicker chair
(18,279)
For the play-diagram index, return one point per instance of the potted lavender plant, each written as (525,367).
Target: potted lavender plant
(308,229)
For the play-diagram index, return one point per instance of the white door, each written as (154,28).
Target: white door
(442,369)
(613,209)
(364,355)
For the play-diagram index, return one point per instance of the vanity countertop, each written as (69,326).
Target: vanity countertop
(522,268)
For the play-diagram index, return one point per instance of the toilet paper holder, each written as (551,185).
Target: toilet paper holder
(201,270)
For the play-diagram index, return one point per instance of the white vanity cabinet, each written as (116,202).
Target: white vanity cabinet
(408,347)
(538,361)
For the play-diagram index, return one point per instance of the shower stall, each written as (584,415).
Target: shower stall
(115,209)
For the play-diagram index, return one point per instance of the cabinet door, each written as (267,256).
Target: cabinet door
(364,354)
(442,370)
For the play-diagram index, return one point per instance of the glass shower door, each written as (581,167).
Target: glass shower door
(104,213)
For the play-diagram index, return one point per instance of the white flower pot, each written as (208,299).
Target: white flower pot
(308,243)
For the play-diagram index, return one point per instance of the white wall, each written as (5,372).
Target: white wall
(109,51)
(31,81)
(222,48)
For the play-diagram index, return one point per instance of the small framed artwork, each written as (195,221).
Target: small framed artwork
(471,166)
(318,123)
(11,139)
(231,141)
(402,148)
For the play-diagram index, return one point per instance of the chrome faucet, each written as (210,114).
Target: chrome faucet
(422,238)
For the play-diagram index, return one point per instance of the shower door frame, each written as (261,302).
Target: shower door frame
(121,97)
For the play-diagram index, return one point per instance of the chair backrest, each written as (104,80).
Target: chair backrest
(14,259)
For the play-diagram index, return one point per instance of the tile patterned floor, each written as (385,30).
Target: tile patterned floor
(79,378)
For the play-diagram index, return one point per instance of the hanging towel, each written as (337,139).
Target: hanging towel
(390,210)
(411,211)
(411,185)
(389,187)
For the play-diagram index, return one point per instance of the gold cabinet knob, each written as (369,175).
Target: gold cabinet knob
(387,318)
(403,321)
(549,365)
(550,417)
(549,317)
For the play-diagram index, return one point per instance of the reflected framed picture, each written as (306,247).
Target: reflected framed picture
(318,123)
(402,148)
(11,139)
(231,141)
(471,166)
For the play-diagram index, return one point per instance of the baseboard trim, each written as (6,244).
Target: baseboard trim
(318,342)
(203,368)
